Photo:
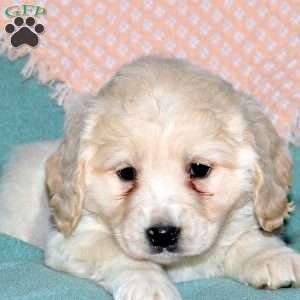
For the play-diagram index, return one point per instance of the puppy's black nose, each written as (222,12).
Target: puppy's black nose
(163,237)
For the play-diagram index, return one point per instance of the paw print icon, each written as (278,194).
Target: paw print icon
(24,32)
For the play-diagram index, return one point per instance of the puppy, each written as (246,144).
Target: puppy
(168,174)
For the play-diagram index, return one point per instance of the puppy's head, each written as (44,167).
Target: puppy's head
(164,156)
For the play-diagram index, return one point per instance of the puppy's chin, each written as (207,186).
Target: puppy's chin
(166,258)
(163,258)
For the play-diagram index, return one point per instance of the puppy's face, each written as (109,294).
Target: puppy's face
(165,156)
(166,178)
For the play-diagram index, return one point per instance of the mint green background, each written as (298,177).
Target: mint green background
(26,111)
(28,114)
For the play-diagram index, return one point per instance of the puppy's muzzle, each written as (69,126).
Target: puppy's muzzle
(163,237)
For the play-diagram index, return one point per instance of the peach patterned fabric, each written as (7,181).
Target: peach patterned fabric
(253,44)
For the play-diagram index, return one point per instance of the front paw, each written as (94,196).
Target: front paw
(145,285)
(273,270)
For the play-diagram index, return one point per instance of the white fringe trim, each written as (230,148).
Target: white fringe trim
(37,68)
(61,92)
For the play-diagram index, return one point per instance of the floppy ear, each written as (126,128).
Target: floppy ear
(65,177)
(272,177)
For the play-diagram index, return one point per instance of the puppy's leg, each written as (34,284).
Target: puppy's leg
(263,261)
(95,255)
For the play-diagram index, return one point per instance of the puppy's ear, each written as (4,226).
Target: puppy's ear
(65,177)
(272,177)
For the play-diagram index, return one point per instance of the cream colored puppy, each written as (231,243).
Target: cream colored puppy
(167,175)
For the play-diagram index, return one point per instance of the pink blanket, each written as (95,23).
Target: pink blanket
(253,44)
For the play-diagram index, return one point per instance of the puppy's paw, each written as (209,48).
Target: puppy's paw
(273,270)
(145,285)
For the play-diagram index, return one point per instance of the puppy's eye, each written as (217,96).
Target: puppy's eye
(127,174)
(198,170)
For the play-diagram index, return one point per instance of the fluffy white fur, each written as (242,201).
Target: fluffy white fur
(159,116)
